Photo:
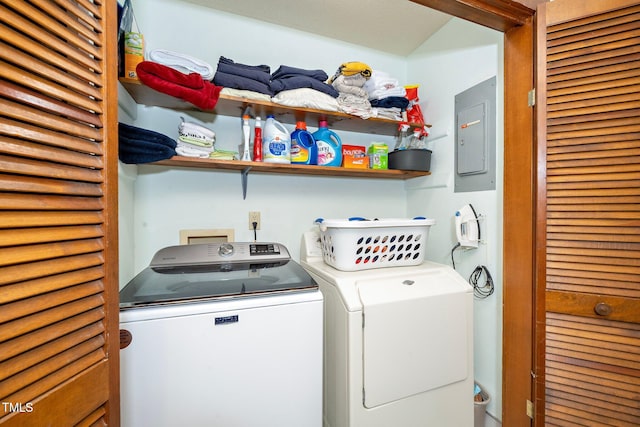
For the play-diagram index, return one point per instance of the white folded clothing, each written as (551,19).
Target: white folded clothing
(392,113)
(381,85)
(355,105)
(248,94)
(306,98)
(184,63)
(198,142)
(380,79)
(197,131)
(385,93)
(189,150)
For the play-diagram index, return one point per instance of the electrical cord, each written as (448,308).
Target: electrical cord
(453,261)
(255,233)
(486,289)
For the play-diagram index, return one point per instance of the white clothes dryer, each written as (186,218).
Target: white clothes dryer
(398,344)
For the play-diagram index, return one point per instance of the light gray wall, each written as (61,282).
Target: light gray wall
(457,57)
(157,202)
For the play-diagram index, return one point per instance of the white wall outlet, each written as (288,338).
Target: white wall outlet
(254,217)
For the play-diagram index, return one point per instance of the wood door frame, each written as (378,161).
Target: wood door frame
(516,21)
(112,263)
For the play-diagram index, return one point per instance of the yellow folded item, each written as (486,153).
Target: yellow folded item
(223,155)
(351,68)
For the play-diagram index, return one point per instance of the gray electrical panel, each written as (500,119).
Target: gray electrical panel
(475,134)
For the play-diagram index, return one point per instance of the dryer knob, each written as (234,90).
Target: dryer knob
(225,249)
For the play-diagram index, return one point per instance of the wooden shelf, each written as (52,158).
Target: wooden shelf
(257,167)
(235,106)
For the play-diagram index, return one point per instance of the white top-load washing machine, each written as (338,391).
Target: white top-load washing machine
(221,335)
(398,344)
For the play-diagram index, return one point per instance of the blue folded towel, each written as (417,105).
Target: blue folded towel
(137,145)
(285,71)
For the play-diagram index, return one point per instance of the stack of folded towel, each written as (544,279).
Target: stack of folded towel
(349,81)
(137,145)
(194,140)
(189,87)
(234,75)
(386,95)
(180,62)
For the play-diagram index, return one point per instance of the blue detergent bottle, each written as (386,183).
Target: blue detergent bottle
(329,146)
(303,147)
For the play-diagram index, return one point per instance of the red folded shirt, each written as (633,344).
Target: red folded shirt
(188,87)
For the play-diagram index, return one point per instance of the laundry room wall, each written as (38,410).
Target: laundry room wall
(459,56)
(167,200)
(157,202)
(127,113)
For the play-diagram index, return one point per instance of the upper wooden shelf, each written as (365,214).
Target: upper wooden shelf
(235,106)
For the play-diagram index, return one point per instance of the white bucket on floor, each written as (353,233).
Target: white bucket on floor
(480,408)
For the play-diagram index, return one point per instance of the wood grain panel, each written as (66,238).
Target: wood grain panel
(26,236)
(51,282)
(58,255)
(592,215)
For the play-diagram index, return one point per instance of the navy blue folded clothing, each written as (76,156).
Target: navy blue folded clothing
(137,145)
(298,82)
(244,71)
(285,71)
(260,68)
(238,82)
(390,102)
(135,134)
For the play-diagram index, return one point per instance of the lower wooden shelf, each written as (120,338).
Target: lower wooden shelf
(277,168)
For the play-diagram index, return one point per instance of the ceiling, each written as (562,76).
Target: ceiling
(393,26)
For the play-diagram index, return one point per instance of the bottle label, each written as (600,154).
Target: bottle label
(298,154)
(326,153)
(277,147)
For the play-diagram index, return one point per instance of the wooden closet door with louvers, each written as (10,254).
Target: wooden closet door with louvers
(58,213)
(588,237)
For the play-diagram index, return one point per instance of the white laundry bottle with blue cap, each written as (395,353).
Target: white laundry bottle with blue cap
(276,142)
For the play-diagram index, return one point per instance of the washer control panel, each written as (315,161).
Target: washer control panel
(218,253)
(256,249)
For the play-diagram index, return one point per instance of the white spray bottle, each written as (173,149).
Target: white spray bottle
(246,130)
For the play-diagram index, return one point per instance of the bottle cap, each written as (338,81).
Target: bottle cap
(301,125)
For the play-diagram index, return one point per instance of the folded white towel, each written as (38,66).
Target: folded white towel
(385,93)
(195,130)
(381,85)
(189,150)
(306,98)
(184,63)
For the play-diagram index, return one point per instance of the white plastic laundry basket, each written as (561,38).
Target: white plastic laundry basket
(360,244)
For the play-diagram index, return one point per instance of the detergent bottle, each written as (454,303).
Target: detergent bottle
(276,142)
(329,146)
(303,146)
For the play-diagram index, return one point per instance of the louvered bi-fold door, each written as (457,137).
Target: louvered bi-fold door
(58,235)
(589,129)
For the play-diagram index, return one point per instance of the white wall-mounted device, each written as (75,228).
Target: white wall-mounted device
(467,227)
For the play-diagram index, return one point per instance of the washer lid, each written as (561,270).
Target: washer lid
(179,282)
